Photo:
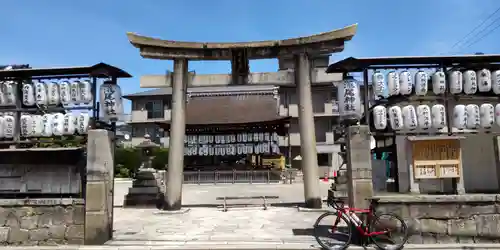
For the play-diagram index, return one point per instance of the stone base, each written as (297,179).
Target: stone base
(141,200)
(181,211)
(446,218)
(305,209)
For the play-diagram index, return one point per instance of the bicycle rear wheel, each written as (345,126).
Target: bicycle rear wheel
(332,232)
(394,232)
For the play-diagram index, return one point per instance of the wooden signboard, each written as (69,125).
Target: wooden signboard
(436,159)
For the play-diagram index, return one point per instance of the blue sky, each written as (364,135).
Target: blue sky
(70,33)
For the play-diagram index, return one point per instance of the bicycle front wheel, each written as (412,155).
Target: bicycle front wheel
(391,230)
(332,232)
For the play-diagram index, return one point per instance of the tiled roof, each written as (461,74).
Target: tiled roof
(212,110)
(231,109)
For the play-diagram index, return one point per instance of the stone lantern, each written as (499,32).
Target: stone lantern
(350,113)
(144,191)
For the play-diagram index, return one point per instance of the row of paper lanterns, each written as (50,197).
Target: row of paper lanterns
(232,149)
(230,138)
(65,93)
(409,117)
(468,82)
(47,93)
(47,125)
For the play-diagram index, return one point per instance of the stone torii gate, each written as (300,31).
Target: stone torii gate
(302,49)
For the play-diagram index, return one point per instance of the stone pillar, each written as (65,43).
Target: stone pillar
(309,163)
(175,168)
(99,188)
(359,166)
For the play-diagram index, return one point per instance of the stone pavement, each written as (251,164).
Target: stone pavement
(284,228)
(277,224)
(242,228)
(196,195)
(247,246)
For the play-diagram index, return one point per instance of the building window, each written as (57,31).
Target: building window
(323,160)
(152,130)
(155,109)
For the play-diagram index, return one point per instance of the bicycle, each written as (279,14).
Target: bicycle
(346,219)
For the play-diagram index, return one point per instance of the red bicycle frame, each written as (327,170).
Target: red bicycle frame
(362,228)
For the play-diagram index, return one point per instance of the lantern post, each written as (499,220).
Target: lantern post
(355,151)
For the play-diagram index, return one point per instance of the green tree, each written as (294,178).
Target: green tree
(160,159)
(127,161)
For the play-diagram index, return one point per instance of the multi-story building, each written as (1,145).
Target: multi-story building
(154,105)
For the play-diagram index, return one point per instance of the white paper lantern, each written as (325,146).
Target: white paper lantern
(438,114)
(396,118)
(83,123)
(47,125)
(349,98)
(28,94)
(41,93)
(497,114)
(36,126)
(2,127)
(409,117)
(495,81)
(25,125)
(421,81)
(380,117)
(438,82)
(86,92)
(393,83)
(455,80)
(250,149)
(3,97)
(111,101)
(53,93)
(74,92)
(9,127)
(487,113)
(484,80)
(65,93)
(424,116)
(473,116)
(405,83)
(459,116)
(58,124)
(470,82)
(10,92)
(379,84)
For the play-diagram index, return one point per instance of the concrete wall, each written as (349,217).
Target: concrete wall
(447,219)
(41,221)
(323,101)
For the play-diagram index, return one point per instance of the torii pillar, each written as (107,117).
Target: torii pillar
(175,168)
(239,54)
(309,163)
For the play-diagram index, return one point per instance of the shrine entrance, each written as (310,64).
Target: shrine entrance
(302,49)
